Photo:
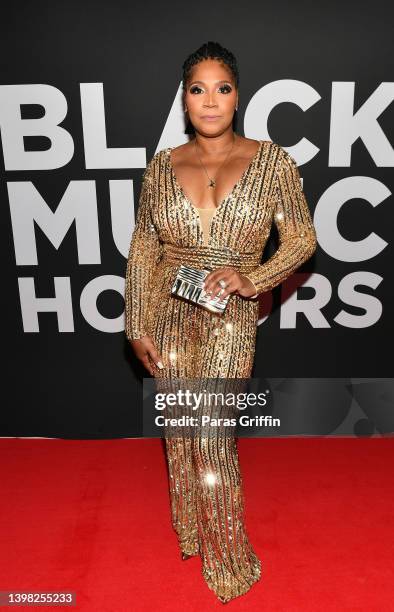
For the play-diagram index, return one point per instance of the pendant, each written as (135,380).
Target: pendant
(212,183)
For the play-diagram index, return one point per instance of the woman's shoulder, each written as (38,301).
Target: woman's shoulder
(153,164)
(282,157)
(156,158)
(274,153)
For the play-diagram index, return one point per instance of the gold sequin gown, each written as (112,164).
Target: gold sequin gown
(208,515)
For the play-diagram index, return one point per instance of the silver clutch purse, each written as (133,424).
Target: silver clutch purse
(188,285)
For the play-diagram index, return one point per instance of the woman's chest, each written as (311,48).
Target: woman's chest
(242,219)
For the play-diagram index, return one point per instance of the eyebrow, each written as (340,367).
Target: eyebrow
(202,82)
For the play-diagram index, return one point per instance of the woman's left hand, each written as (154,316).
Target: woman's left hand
(235,283)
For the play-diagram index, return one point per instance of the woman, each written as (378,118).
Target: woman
(210,203)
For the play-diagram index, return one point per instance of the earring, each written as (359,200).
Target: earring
(185,109)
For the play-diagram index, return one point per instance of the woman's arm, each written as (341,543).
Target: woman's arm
(145,252)
(297,236)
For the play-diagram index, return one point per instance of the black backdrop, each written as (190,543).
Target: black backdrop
(306,70)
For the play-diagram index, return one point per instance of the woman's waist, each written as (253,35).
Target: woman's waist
(209,257)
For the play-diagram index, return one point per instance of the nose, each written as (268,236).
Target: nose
(210,100)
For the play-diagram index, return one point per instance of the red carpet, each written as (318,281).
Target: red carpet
(93,517)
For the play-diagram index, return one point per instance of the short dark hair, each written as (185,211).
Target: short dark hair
(210,50)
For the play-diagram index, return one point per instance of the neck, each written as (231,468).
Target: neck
(216,145)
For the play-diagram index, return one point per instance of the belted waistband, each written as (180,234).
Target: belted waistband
(210,257)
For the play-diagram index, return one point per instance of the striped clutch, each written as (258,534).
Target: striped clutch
(188,284)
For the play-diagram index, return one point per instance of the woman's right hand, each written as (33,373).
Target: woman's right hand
(146,352)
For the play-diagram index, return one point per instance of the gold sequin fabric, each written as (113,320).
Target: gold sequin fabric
(195,343)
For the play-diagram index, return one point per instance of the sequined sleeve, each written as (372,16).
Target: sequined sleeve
(144,253)
(297,236)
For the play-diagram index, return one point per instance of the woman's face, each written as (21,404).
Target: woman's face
(211,97)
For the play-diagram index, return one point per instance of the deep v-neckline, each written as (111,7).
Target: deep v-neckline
(229,194)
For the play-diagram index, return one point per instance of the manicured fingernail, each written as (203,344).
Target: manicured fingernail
(160,365)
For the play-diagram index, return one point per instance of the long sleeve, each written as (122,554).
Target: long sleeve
(144,253)
(297,235)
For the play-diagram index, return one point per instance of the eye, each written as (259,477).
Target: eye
(227,88)
(194,89)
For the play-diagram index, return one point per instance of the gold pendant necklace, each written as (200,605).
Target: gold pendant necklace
(212,181)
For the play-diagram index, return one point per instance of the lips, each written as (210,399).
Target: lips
(210,117)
